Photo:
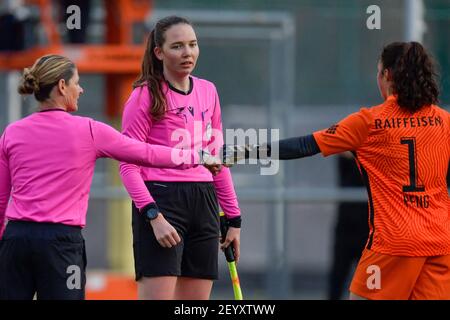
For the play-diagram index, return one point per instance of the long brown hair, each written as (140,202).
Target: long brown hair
(414,76)
(152,68)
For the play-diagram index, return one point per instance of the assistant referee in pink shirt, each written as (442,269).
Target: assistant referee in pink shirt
(171,107)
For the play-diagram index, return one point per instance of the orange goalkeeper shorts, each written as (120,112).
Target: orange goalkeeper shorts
(384,277)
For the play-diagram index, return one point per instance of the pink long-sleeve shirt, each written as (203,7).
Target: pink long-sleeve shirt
(192,121)
(47,162)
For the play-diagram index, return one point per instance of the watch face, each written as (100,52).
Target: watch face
(152,213)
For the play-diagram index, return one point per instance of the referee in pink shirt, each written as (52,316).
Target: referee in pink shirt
(46,166)
(170,107)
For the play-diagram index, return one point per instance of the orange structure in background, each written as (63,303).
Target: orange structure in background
(102,286)
(120,60)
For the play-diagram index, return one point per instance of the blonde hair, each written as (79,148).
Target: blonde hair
(44,75)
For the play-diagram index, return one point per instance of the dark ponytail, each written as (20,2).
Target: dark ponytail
(152,68)
(413,74)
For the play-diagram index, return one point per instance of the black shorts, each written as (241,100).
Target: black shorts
(192,209)
(45,259)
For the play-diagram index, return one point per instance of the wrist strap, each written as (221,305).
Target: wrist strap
(151,205)
(234,222)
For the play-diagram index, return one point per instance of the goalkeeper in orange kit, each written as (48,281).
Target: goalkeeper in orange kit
(402,148)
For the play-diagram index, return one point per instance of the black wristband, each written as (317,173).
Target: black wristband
(234,222)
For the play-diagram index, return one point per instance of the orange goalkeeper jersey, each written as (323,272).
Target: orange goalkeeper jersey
(403,158)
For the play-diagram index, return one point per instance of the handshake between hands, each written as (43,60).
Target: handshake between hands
(230,155)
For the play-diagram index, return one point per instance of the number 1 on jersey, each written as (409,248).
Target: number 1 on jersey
(413,187)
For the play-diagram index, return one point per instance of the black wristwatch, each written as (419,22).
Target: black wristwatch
(150,211)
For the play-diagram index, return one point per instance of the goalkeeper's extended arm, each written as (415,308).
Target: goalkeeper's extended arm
(291,148)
